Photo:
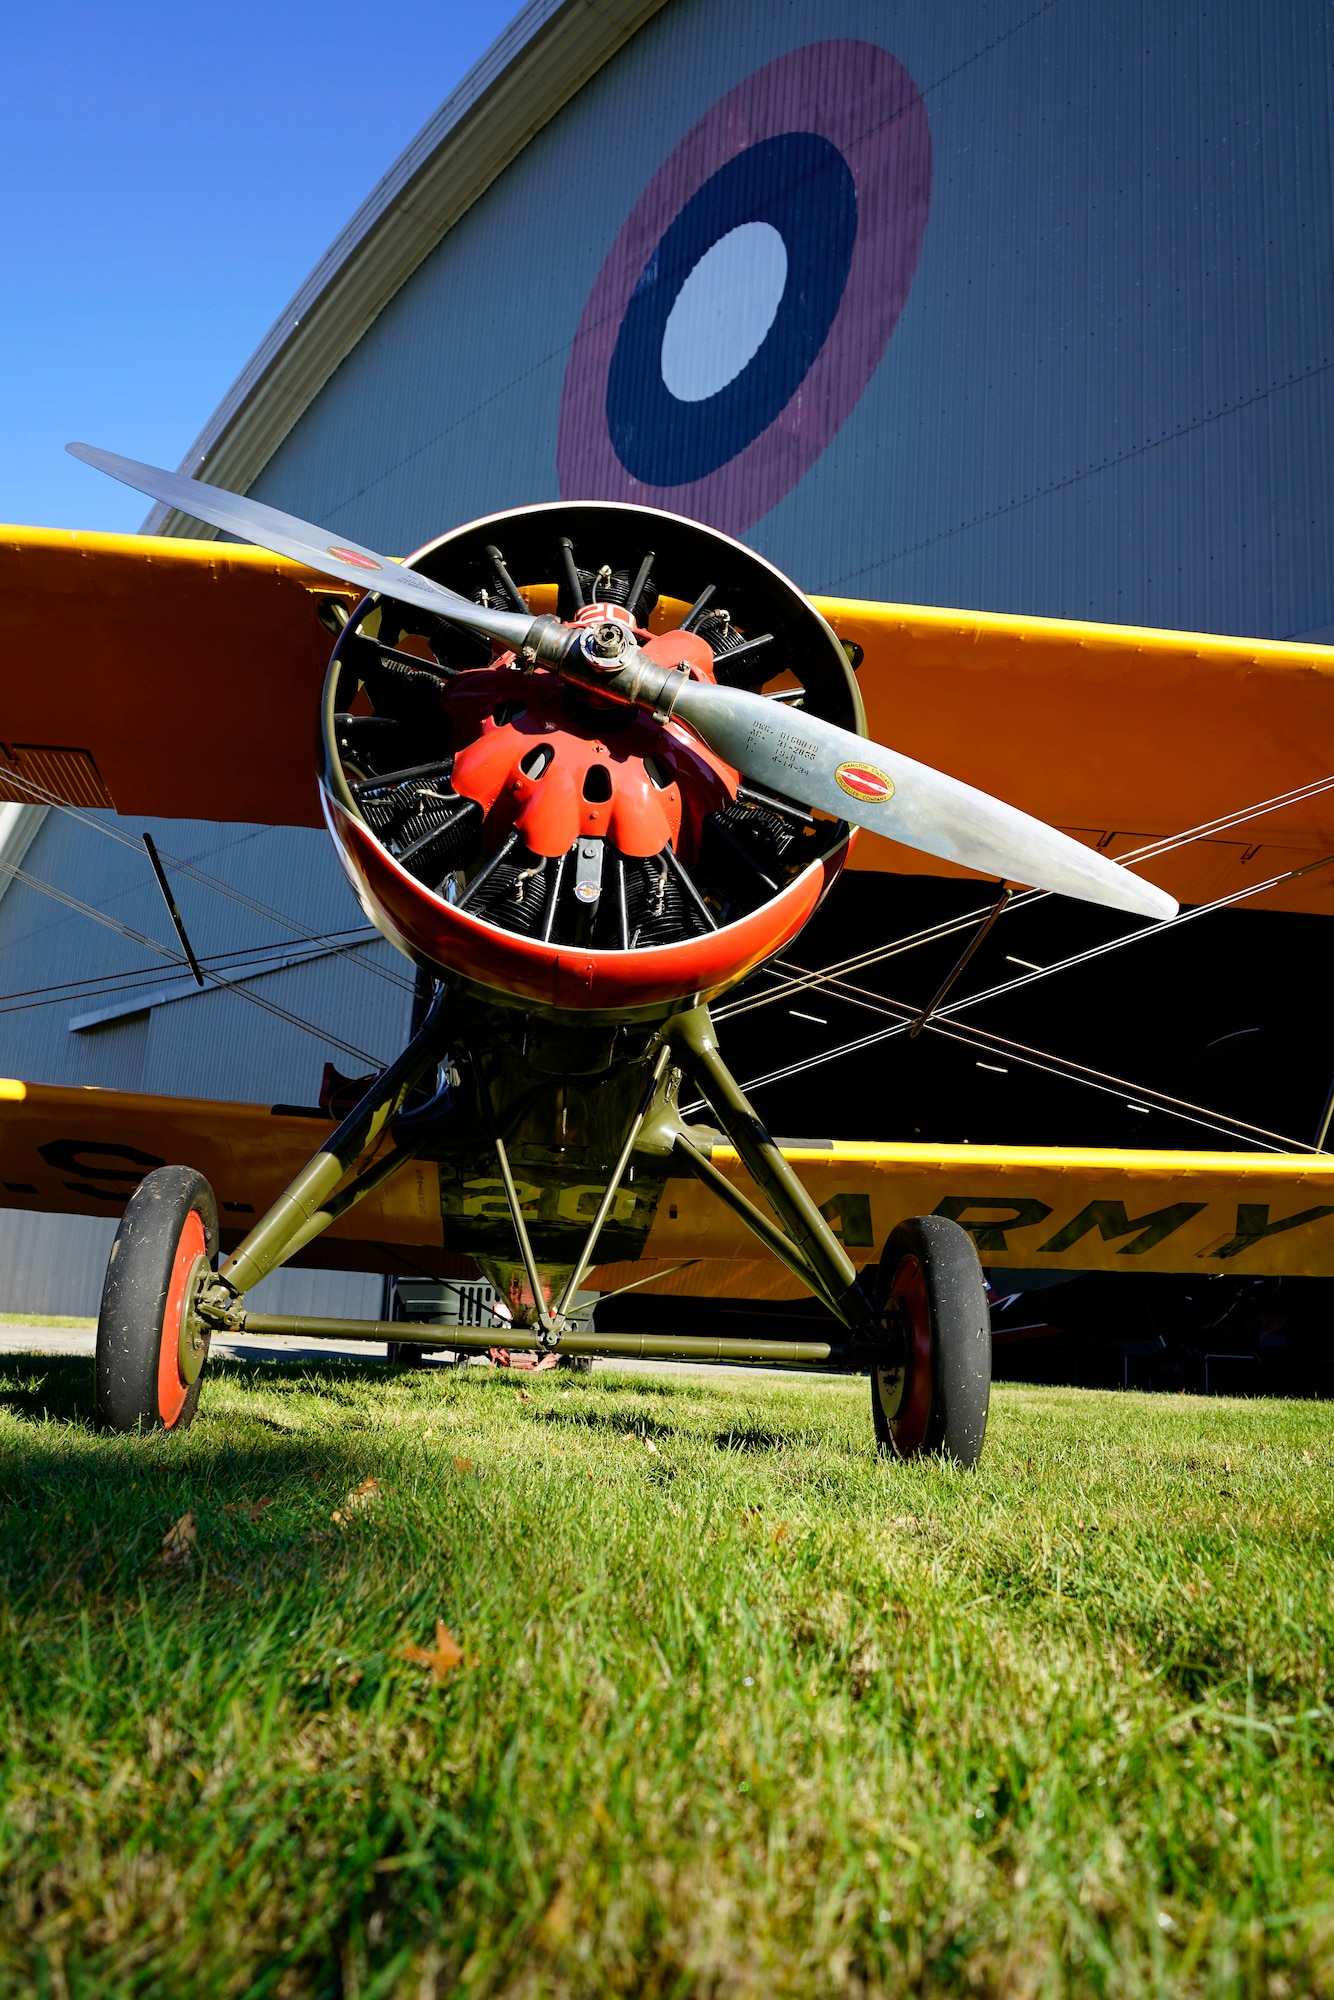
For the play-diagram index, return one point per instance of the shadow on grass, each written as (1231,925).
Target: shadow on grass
(48,1388)
(84,1518)
(757,1437)
(630,1423)
(51,1388)
(611,1423)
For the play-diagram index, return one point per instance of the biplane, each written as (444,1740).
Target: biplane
(592,767)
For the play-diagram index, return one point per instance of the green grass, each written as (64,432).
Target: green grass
(44,1319)
(750,1713)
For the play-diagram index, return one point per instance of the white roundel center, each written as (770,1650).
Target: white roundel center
(723,311)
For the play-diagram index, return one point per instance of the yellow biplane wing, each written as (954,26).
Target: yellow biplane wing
(80,1151)
(1117,734)
(183,678)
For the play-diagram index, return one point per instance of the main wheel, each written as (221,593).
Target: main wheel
(935,1403)
(150,1349)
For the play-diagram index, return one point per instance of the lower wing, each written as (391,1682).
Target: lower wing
(83,1152)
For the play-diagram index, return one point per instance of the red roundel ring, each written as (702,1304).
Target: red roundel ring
(355,557)
(822,160)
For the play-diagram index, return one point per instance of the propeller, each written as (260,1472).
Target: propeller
(783,749)
(332,555)
(885,792)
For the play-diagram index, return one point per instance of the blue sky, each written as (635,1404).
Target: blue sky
(171,173)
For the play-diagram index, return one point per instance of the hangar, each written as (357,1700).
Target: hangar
(1009,307)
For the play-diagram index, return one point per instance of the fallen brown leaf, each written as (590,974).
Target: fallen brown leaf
(463,1465)
(522,1396)
(649,1445)
(179,1542)
(357,1501)
(252,1509)
(442,1658)
(780,1532)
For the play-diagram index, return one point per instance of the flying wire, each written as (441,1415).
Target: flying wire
(952,926)
(173,958)
(41,795)
(1070,1071)
(1027,979)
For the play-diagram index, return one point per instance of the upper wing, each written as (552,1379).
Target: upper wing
(82,1152)
(163,677)
(1114,733)
(182,679)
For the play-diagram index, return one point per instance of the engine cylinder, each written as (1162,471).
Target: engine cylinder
(552,850)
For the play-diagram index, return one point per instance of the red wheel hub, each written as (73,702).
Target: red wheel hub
(172,1388)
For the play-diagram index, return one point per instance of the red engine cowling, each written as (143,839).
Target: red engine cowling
(549,850)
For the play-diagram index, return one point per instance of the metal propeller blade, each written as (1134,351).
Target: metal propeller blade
(821,765)
(331,555)
(786,750)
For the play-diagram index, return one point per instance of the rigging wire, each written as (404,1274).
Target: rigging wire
(43,796)
(173,958)
(951,926)
(1068,1070)
(1028,978)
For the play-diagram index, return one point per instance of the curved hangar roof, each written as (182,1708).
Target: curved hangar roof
(919,301)
(546,54)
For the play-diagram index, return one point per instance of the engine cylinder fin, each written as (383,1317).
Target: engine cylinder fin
(798,813)
(488,869)
(658,908)
(446,841)
(516,891)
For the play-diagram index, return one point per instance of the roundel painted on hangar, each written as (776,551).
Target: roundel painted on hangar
(752,290)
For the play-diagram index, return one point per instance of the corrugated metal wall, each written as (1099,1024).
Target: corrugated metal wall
(58,965)
(1108,396)
(55,1265)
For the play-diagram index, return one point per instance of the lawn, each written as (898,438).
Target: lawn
(741,1710)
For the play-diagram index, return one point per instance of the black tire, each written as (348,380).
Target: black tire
(170,1221)
(935,1405)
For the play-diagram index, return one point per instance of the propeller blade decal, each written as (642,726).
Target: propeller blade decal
(332,555)
(821,765)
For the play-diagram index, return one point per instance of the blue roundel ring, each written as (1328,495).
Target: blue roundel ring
(828,146)
(800,185)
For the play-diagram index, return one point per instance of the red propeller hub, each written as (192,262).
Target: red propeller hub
(555,765)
